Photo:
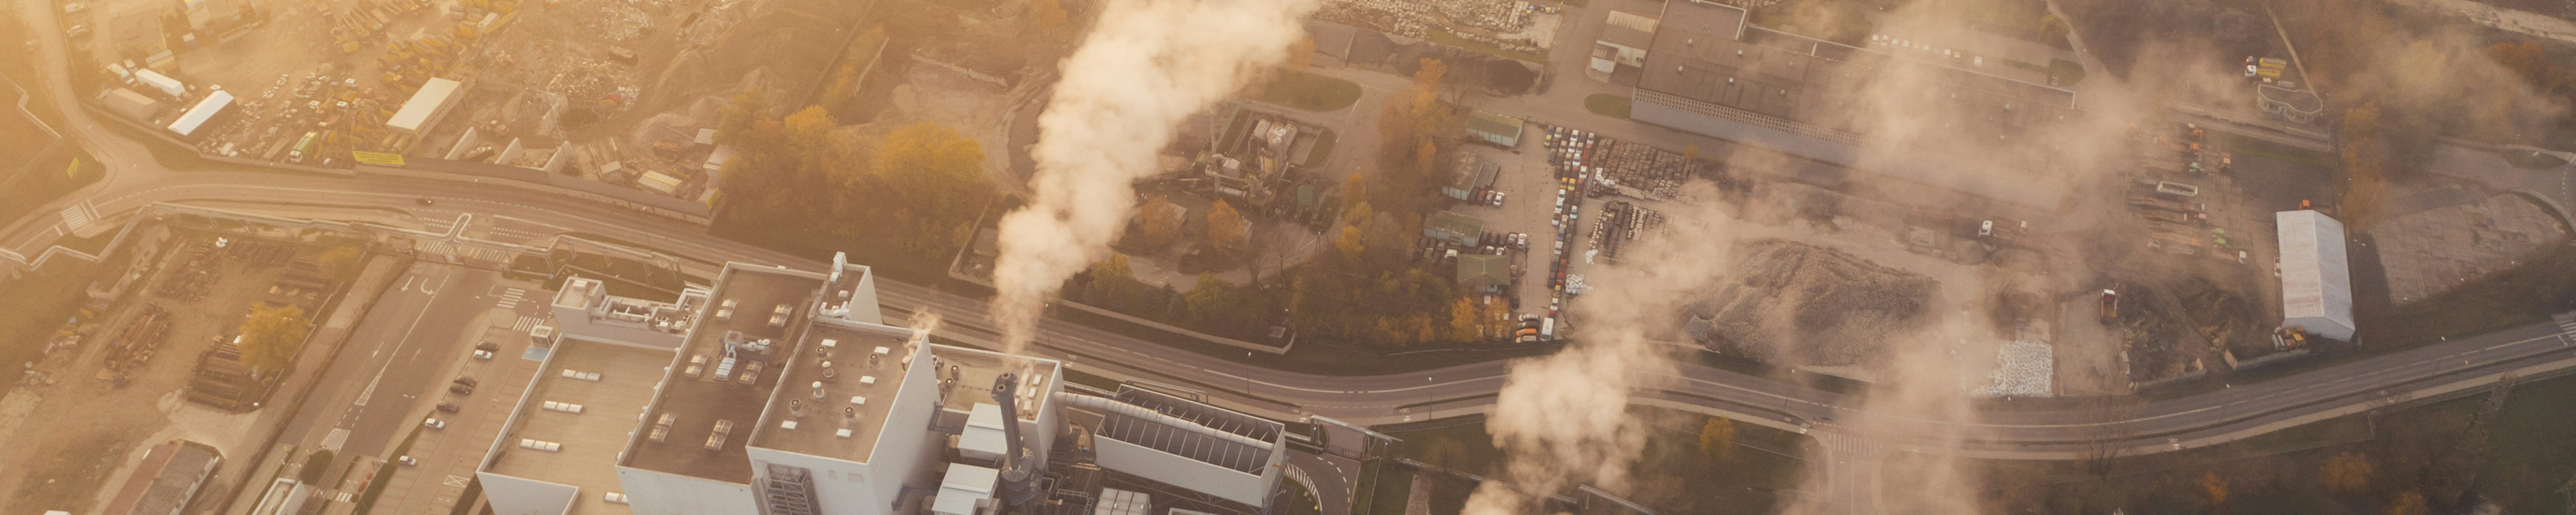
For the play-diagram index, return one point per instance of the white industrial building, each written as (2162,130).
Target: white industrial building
(433,100)
(2316,277)
(187,124)
(786,394)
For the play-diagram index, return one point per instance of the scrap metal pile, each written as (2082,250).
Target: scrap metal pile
(138,340)
(1798,304)
(1619,223)
(1645,172)
(1494,22)
(194,276)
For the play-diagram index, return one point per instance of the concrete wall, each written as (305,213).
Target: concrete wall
(841,487)
(660,493)
(521,496)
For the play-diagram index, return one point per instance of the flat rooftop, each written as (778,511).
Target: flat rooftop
(852,382)
(589,440)
(698,402)
(976,370)
(576,293)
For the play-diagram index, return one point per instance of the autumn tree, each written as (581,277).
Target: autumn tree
(738,114)
(936,182)
(1717,438)
(1463,321)
(338,263)
(2347,473)
(1113,284)
(2409,503)
(1412,126)
(1214,300)
(1301,54)
(1348,242)
(1226,229)
(270,337)
(2215,487)
(1158,223)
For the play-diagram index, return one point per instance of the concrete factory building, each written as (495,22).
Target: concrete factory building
(786,394)
(1707,72)
(2316,277)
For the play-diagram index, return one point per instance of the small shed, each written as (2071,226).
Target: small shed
(1483,272)
(1450,226)
(1496,129)
(1469,176)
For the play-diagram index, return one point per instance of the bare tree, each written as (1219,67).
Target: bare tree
(2110,422)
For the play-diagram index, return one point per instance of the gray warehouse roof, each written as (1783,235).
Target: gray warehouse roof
(1189,443)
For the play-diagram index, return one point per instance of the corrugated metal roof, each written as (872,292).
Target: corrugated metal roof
(1454,223)
(1189,443)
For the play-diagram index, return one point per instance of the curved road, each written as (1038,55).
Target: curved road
(136,180)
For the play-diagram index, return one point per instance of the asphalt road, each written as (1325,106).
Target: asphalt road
(371,391)
(135,180)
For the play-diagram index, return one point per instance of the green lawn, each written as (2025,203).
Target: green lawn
(1309,91)
(1606,104)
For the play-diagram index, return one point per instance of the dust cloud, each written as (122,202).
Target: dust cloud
(1145,66)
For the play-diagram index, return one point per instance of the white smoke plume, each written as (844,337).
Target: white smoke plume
(1145,66)
(1564,418)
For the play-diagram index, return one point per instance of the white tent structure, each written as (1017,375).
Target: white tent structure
(2316,276)
(187,124)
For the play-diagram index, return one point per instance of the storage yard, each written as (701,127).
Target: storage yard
(607,90)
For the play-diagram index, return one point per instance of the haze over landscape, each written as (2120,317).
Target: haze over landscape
(1288,257)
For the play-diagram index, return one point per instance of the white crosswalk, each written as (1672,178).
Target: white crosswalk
(510,299)
(345,497)
(336,439)
(78,216)
(526,323)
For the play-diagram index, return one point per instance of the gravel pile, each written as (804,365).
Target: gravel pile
(1798,304)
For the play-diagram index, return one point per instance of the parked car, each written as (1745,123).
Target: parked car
(449,407)
(408,461)
(468,381)
(483,355)
(460,389)
(434,423)
(427,201)
(488,347)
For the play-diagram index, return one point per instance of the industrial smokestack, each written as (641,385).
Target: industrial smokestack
(1018,469)
(1144,67)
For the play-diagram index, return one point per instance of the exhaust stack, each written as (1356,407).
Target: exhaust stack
(1019,469)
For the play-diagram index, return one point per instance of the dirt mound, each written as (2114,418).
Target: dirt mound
(1794,303)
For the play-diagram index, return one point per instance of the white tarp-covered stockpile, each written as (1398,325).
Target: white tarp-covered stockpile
(2316,276)
(425,106)
(187,124)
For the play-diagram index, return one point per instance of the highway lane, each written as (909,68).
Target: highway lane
(369,395)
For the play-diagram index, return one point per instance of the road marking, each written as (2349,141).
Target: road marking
(526,324)
(455,481)
(510,299)
(337,438)
(344,496)
(78,216)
